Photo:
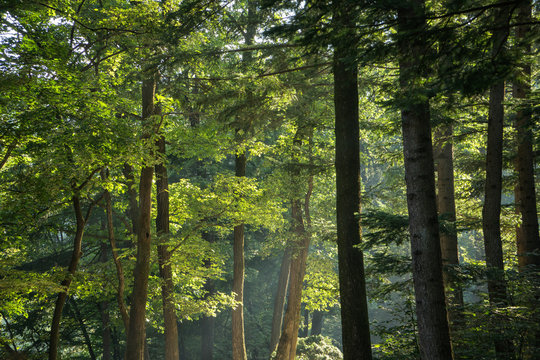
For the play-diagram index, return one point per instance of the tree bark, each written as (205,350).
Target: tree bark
(528,238)
(137,320)
(491,211)
(164,256)
(433,331)
(238,342)
(446,207)
(279,300)
(208,322)
(299,250)
(106,330)
(354,312)
(61,300)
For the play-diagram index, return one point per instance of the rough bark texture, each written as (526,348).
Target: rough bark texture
(279,300)
(446,207)
(352,285)
(137,320)
(61,300)
(528,239)
(433,331)
(238,345)
(491,211)
(299,250)
(164,257)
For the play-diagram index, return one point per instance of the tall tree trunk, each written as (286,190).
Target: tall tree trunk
(164,256)
(299,250)
(316,322)
(61,300)
(433,331)
(279,300)
(528,239)
(238,342)
(106,335)
(133,207)
(116,259)
(491,211)
(208,322)
(446,207)
(238,337)
(352,283)
(137,320)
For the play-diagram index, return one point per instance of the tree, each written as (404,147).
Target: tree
(354,314)
(136,337)
(528,238)
(433,332)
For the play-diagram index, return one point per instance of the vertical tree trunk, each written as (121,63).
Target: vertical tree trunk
(446,207)
(238,345)
(352,285)
(491,211)
(106,330)
(137,320)
(279,300)
(433,331)
(164,256)
(528,239)
(208,322)
(299,250)
(61,300)
(238,340)
(118,264)
(316,322)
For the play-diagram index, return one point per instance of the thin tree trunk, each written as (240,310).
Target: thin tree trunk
(106,335)
(304,329)
(433,331)
(317,322)
(238,345)
(491,211)
(117,263)
(528,239)
(137,317)
(299,249)
(61,300)
(133,207)
(164,257)
(446,207)
(208,322)
(279,300)
(238,337)
(352,284)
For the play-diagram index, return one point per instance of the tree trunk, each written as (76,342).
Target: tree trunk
(137,320)
(208,322)
(528,239)
(238,342)
(106,330)
(354,312)
(133,208)
(118,264)
(304,329)
(491,211)
(299,250)
(433,331)
(164,256)
(279,300)
(61,300)
(316,322)
(446,207)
